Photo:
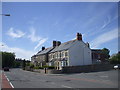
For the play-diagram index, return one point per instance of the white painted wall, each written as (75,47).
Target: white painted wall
(79,54)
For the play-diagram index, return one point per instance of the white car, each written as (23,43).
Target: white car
(117,66)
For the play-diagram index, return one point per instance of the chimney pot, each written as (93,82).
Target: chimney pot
(54,43)
(43,48)
(58,43)
(79,36)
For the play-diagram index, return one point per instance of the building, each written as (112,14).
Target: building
(98,56)
(71,53)
(41,58)
(34,60)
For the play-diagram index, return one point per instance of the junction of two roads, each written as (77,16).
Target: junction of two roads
(18,78)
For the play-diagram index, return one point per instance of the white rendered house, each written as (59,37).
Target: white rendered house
(71,53)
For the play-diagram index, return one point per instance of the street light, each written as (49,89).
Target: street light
(5,14)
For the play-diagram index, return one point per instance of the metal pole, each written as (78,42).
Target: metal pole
(5,14)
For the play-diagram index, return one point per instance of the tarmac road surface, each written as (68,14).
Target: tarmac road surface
(26,79)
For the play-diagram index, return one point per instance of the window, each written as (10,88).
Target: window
(59,54)
(62,54)
(62,63)
(66,63)
(56,54)
(66,53)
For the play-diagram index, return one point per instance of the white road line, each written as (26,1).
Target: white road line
(11,85)
(9,81)
(66,86)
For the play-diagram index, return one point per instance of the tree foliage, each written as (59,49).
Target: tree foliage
(115,59)
(8,59)
(23,64)
(106,52)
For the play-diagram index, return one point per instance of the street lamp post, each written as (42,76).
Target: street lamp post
(5,14)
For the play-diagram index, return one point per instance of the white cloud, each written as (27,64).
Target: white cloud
(15,33)
(106,37)
(32,36)
(106,22)
(20,53)
(40,43)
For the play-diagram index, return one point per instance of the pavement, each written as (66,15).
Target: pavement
(26,79)
(5,82)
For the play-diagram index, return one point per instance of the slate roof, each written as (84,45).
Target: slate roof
(64,46)
(45,51)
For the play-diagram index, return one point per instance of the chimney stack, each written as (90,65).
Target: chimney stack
(43,48)
(54,43)
(58,43)
(79,36)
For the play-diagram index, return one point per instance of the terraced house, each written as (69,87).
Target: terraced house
(41,58)
(71,53)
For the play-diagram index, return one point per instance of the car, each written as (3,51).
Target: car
(117,66)
(6,68)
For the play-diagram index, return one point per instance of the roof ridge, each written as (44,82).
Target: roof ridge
(69,41)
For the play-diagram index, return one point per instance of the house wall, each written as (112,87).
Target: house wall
(79,54)
(56,56)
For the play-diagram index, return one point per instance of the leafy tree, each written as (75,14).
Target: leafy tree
(23,64)
(17,64)
(115,59)
(106,52)
(8,59)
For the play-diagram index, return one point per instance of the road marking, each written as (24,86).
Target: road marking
(9,81)
(11,85)
(66,86)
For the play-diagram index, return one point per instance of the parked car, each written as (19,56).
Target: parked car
(117,66)
(6,68)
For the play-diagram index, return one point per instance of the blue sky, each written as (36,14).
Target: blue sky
(33,25)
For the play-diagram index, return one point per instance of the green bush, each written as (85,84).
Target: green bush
(31,65)
(41,68)
(36,67)
(49,67)
(115,59)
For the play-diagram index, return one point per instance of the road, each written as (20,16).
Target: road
(26,79)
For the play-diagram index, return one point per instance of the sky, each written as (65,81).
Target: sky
(36,24)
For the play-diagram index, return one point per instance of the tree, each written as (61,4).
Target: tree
(106,52)
(8,59)
(115,59)
(23,64)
